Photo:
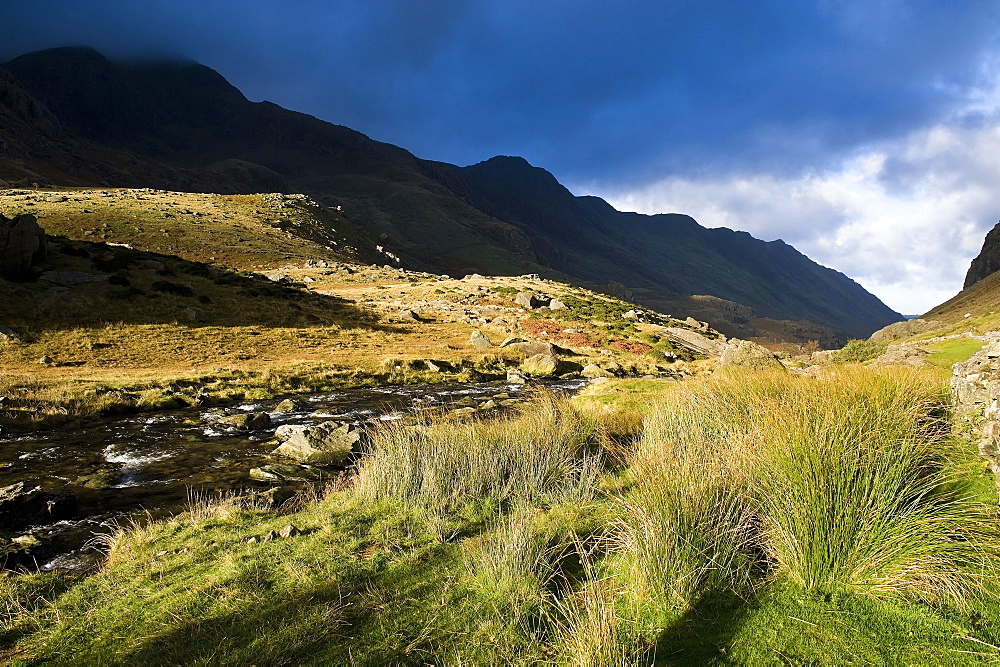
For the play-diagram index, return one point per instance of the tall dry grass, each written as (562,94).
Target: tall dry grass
(547,451)
(836,483)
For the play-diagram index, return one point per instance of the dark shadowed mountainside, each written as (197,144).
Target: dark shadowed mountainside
(181,125)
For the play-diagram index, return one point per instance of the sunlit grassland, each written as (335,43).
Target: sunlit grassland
(183,311)
(948,352)
(743,520)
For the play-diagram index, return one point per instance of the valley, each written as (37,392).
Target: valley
(274,392)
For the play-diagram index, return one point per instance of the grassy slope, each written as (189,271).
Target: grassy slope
(187,309)
(522,573)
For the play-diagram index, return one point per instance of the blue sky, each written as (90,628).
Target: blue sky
(867,134)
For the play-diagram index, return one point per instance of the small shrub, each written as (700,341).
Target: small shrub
(167,287)
(857,351)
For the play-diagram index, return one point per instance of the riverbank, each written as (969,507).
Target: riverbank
(150,465)
(578,533)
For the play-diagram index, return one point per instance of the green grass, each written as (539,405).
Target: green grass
(857,351)
(747,520)
(946,353)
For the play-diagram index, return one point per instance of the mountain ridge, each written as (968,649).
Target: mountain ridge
(436,216)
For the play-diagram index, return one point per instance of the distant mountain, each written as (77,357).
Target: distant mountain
(182,125)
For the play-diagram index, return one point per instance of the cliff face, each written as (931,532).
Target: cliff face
(988,259)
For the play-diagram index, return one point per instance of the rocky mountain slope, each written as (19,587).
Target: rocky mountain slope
(987,261)
(184,127)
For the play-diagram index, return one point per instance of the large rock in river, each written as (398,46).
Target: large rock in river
(328,443)
(541,365)
(22,246)
(249,421)
(24,504)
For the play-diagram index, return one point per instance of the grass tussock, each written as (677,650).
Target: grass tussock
(546,451)
(836,484)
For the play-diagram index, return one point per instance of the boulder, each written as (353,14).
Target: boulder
(408,316)
(541,365)
(747,354)
(291,530)
(510,340)
(24,504)
(22,246)
(328,443)
(249,421)
(694,341)
(594,371)
(821,356)
(287,405)
(556,304)
(104,478)
(533,348)
(270,499)
(7,335)
(285,472)
(530,300)
(479,340)
(515,377)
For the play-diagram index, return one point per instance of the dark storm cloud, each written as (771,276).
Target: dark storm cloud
(594,91)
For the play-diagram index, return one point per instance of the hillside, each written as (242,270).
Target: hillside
(187,128)
(151,298)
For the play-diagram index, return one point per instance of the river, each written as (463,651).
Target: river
(152,463)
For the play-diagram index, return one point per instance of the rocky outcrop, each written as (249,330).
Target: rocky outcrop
(904,354)
(479,340)
(694,341)
(904,329)
(530,300)
(747,354)
(988,259)
(975,391)
(22,246)
(328,443)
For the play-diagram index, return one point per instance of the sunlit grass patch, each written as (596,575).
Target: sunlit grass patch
(836,483)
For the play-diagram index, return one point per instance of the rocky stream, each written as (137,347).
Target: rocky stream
(65,486)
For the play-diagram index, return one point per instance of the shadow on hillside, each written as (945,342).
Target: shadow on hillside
(704,634)
(149,288)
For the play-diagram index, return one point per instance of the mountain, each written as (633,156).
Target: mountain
(987,261)
(183,126)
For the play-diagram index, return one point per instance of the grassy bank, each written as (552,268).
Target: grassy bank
(741,520)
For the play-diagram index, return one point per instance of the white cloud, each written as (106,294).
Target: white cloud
(902,218)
